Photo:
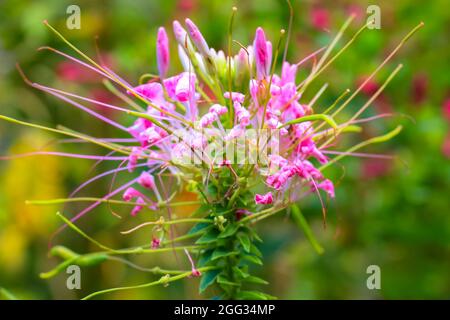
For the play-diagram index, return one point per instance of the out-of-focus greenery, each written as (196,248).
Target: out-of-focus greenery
(394,214)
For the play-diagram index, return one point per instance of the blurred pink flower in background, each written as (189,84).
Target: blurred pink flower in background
(419,88)
(358,11)
(320,18)
(446,109)
(73,71)
(446,146)
(373,168)
(369,88)
(186,5)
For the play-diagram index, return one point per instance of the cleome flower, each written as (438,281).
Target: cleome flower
(229,128)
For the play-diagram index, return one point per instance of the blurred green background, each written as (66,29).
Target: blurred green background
(394,214)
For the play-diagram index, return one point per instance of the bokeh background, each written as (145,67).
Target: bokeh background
(394,214)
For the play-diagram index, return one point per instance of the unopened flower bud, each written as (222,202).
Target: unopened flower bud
(197,38)
(162,52)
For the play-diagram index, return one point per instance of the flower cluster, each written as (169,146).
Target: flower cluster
(268,101)
(228,128)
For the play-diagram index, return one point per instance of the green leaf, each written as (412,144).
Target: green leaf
(254,279)
(205,258)
(221,253)
(211,190)
(254,295)
(208,237)
(208,279)
(202,210)
(222,279)
(245,241)
(252,259)
(240,273)
(199,227)
(254,250)
(254,235)
(230,229)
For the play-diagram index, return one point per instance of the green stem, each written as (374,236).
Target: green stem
(163,280)
(301,222)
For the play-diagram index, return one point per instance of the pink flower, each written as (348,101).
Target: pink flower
(242,115)
(370,87)
(139,207)
(133,158)
(241,61)
(151,135)
(156,243)
(197,38)
(308,148)
(320,18)
(306,170)
(327,186)
(240,213)
(235,132)
(152,91)
(262,55)
(207,119)
(446,146)
(146,180)
(373,168)
(446,109)
(288,73)
(279,179)
(180,33)
(225,163)
(277,160)
(419,88)
(195,273)
(130,193)
(162,52)
(218,109)
(235,96)
(185,87)
(358,11)
(215,111)
(264,199)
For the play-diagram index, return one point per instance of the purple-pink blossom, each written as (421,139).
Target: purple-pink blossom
(264,199)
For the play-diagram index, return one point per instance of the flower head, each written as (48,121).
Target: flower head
(223,128)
